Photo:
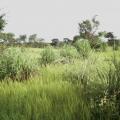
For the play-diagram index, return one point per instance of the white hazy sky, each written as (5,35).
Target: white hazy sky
(59,18)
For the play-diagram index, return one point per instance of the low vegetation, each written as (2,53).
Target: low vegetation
(16,64)
(85,89)
(70,80)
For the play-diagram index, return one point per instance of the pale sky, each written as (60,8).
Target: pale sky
(59,18)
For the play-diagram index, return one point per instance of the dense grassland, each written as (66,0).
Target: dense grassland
(67,83)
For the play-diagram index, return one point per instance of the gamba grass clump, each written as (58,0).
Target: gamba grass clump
(103,94)
(83,47)
(69,51)
(16,64)
(47,56)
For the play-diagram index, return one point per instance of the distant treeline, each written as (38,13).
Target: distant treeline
(88,29)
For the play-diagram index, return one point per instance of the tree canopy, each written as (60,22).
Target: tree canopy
(88,30)
(2,22)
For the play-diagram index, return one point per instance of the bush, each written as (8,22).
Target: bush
(16,64)
(83,47)
(47,56)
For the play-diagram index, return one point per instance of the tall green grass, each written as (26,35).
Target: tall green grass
(86,89)
(47,56)
(41,101)
(16,64)
(83,47)
(69,51)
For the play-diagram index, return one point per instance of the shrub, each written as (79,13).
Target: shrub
(83,47)
(47,56)
(16,64)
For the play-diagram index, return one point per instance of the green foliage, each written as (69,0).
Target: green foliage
(101,86)
(83,47)
(42,101)
(32,38)
(83,90)
(2,22)
(116,44)
(9,37)
(2,48)
(76,38)
(55,42)
(22,38)
(47,56)
(14,64)
(114,75)
(95,42)
(103,46)
(69,51)
(88,29)
(107,105)
(86,89)
(85,27)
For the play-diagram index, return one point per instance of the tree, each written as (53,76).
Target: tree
(102,34)
(55,42)
(96,24)
(32,38)
(85,29)
(112,41)
(88,29)
(67,41)
(110,35)
(10,37)
(2,22)
(39,40)
(7,37)
(23,38)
